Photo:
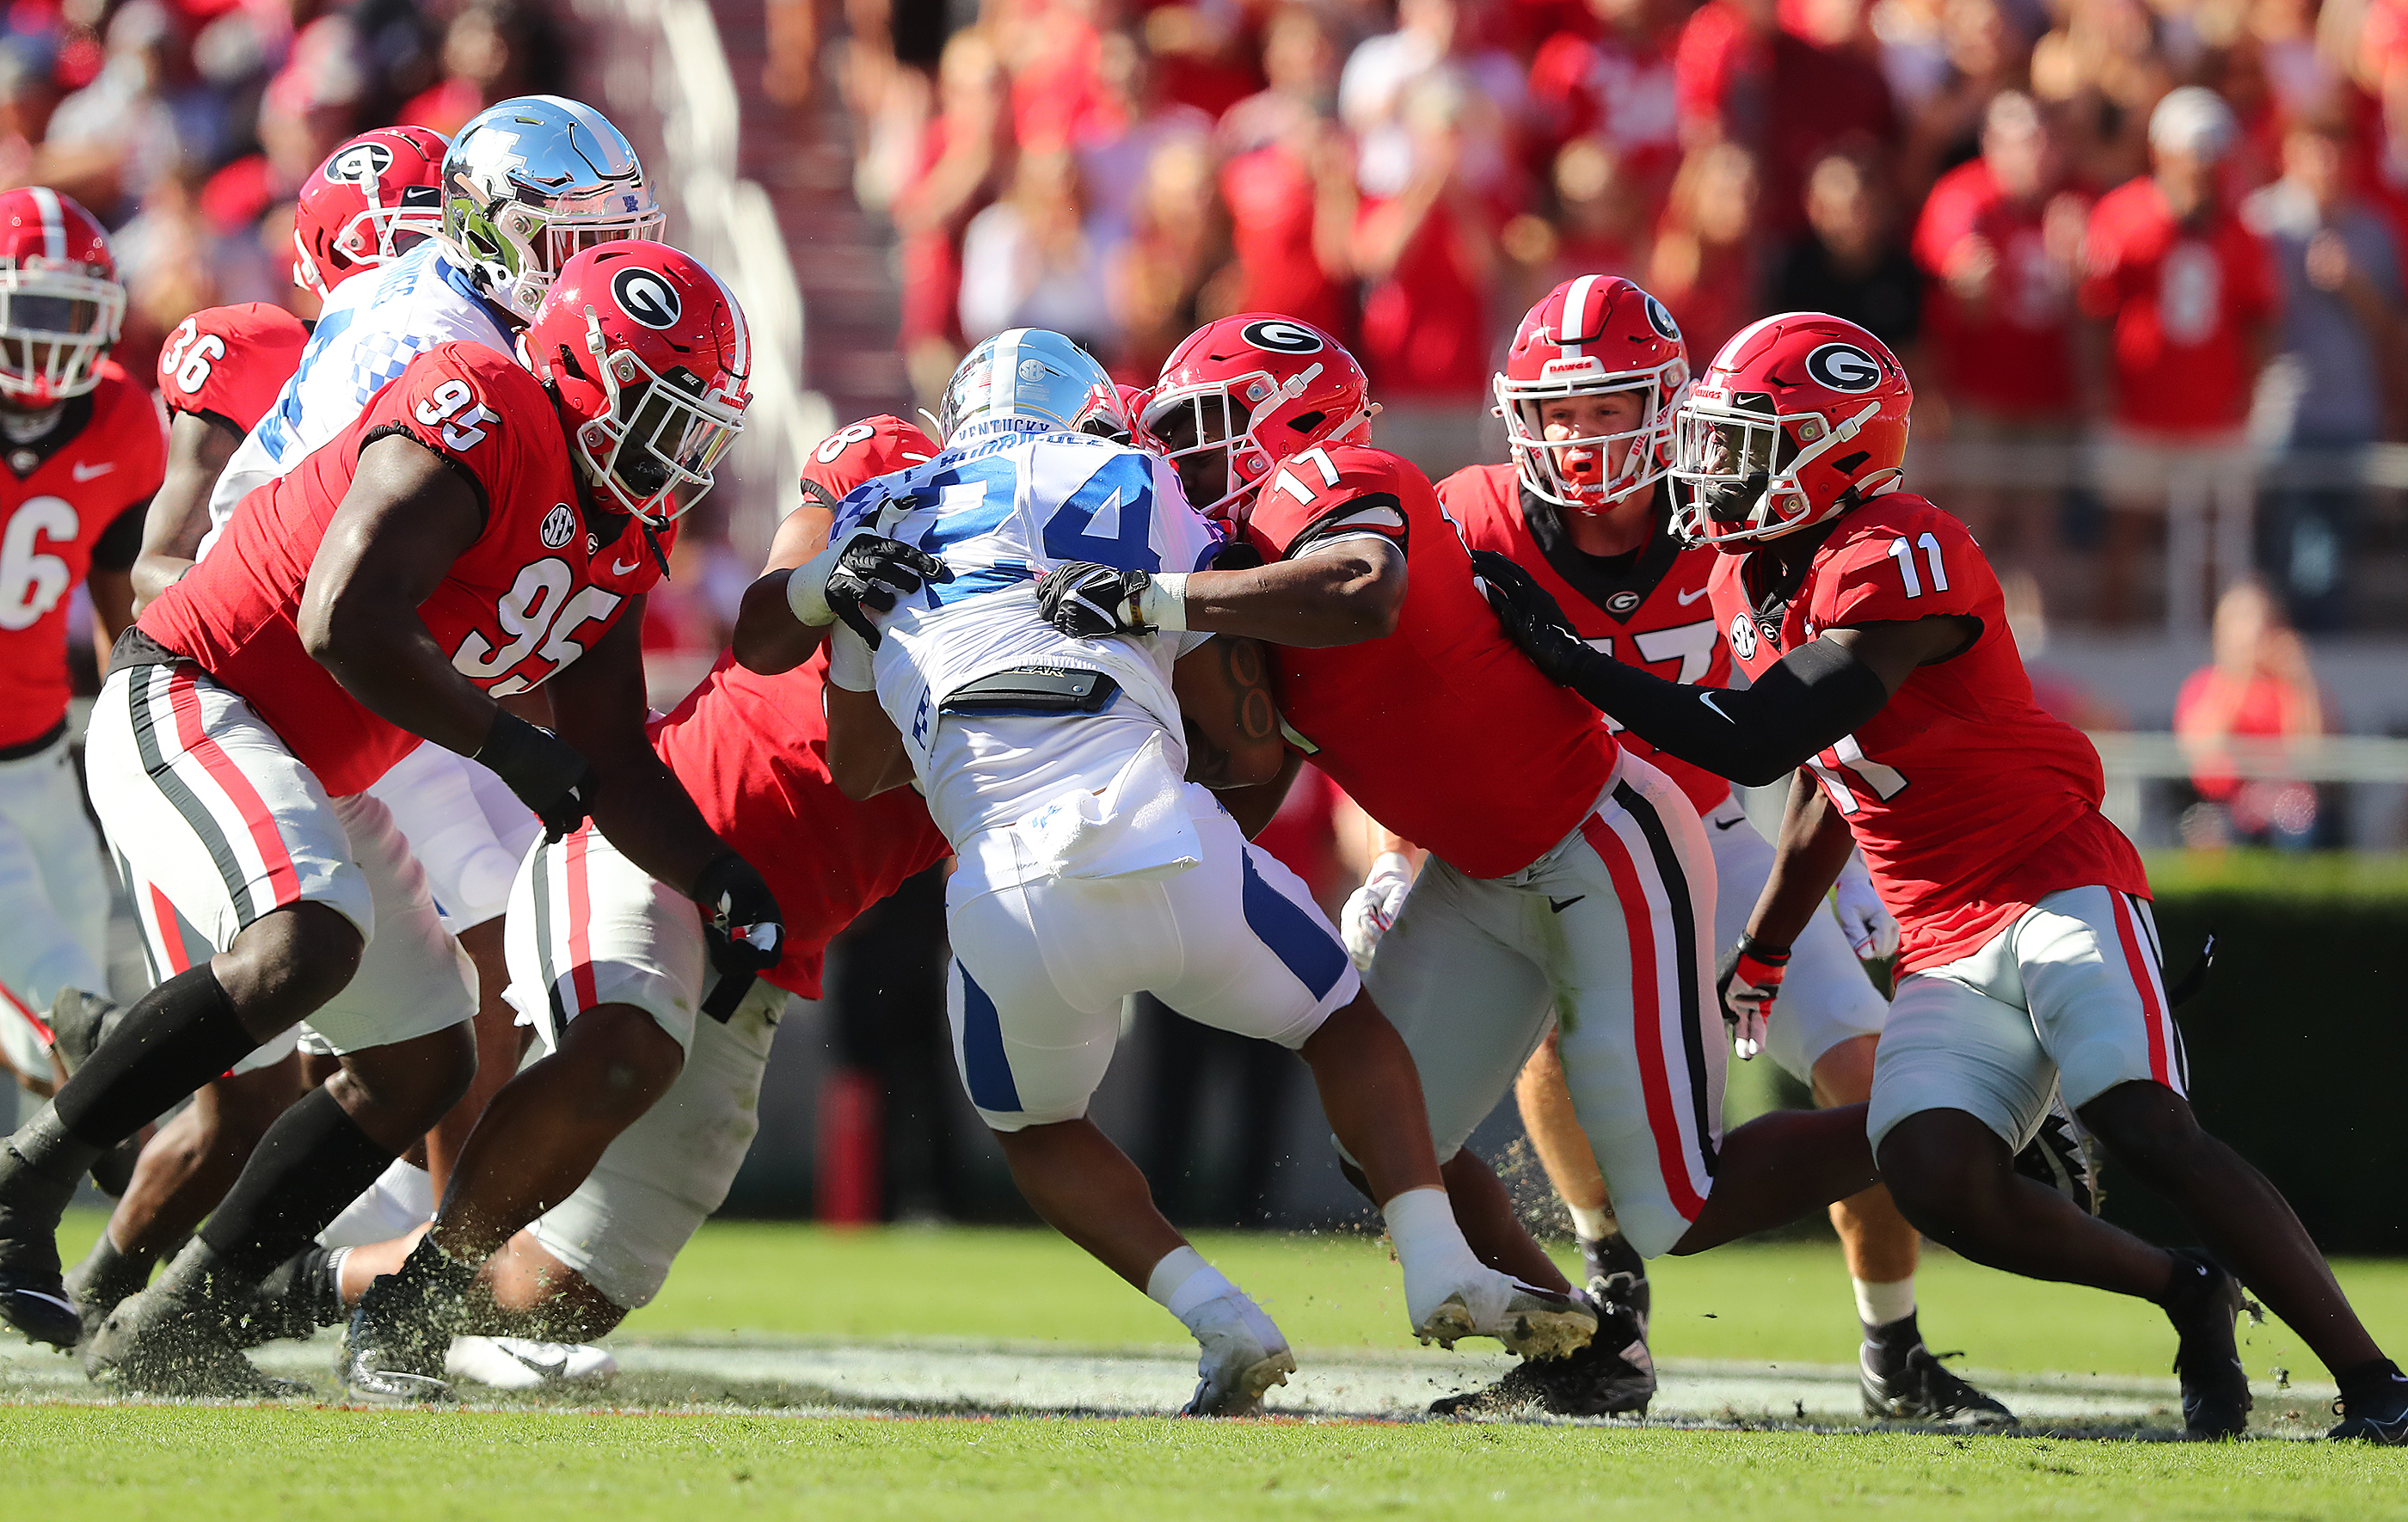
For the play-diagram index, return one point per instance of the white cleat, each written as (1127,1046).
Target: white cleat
(518,1363)
(1244,1354)
(1533,1322)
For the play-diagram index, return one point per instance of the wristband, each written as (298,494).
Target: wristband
(806,584)
(1162,604)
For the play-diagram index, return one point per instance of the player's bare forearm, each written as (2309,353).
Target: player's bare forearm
(178,517)
(112,608)
(769,638)
(1342,595)
(1253,807)
(1813,846)
(1225,695)
(866,755)
(406,517)
(598,706)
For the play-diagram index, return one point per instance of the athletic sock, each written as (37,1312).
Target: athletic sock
(299,1295)
(1880,1305)
(173,1039)
(1430,1250)
(109,1274)
(311,1163)
(427,1290)
(1202,1298)
(1594,1224)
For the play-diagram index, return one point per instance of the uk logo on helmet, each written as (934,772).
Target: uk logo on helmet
(1282,337)
(645,297)
(1843,366)
(361,164)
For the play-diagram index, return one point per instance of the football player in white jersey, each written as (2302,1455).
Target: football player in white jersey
(1073,777)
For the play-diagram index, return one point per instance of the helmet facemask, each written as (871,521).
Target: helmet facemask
(1737,467)
(375,235)
(1212,449)
(514,248)
(55,325)
(1543,463)
(655,445)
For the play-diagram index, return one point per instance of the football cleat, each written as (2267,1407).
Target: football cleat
(1617,1275)
(175,1338)
(2062,1156)
(1613,1376)
(1918,1388)
(2381,1417)
(102,1282)
(1533,1322)
(34,1297)
(2216,1398)
(1243,1356)
(388,1363)
(519,1363)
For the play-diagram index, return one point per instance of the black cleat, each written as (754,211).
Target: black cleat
(292,1301)
(33,1296)
(2216,1398)
(1617,1275)
(176,1338)
(80,1022)
(2380,1415)
(1613,1376)
(392,1351)
(102,1282)
(1918,1388)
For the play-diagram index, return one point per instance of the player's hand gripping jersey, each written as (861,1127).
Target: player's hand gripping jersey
(372,328)
(1443,731)
(518,605)
(987,506)
(229,364)
(61,497)
(1654,617)
(1970,801)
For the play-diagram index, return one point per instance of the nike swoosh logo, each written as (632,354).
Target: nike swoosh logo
(554,1364)
(1559,905)
(1686,598)
(1708,698)
(1729,823)
(85,472)
(623,568)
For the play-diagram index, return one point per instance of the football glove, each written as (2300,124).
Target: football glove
(1372,908)
(861,570)
(544,771)
(746,929)
(1747,982)
(1532,618)
(1089,602)
(1870,927)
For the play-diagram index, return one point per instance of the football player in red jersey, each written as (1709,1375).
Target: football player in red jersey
(479,531)
(594,938)
(1588,394)
(219,372)
(81,443)
(1872,632)
(1562,870)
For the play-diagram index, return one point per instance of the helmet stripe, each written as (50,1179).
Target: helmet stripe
(1571,330)
(55,223)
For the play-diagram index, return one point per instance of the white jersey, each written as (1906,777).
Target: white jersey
(1007,502)
(372,328)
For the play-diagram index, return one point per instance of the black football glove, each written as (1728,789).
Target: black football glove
(1532,619)
(861,571)
(746,928)
(543,769)
(1088,601)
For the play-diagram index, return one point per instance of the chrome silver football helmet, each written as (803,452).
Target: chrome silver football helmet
(531,182)
(1037,376)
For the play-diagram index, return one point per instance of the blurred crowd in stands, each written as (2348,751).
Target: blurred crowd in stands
(2170,229)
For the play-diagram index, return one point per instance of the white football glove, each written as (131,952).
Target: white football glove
(1372,908)
(1870,927)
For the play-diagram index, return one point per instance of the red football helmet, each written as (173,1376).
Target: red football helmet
(1588,337)
(60,304)
(372,199)
(1799,418)
(1246,393)
(863,451)
(648,355)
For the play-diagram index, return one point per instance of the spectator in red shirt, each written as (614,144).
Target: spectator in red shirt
(1618,87)
(2259,687)
(1741,75)
(2001,242)
(1705,265)
(1289,180)
(2185,297)
(1428,253)
(963,162)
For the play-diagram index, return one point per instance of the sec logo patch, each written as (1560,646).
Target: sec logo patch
(1742,637)
(559,526)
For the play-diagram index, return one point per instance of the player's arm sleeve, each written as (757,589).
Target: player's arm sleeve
(1817,694)
(121,542)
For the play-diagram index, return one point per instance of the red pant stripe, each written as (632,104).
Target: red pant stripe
(1647,1014)
(2137,962)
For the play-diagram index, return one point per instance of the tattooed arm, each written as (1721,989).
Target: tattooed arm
(1224,694)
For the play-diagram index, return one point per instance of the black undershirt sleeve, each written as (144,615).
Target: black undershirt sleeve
(1817,694)
(121,540)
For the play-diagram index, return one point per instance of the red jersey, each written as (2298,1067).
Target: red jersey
(2181,302)
(530,596)
(1616,87)
(1653,615)
(752,752)
(1969,802)
(1272,206)
(1426,326)
(1443,731)
(228,362)
(2012,353)
(69,500)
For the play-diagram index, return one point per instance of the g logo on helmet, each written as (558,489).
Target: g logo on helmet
(1843,366)
(559,526)
(362,164)
(646,295)
(1659,317)
(1282,337)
